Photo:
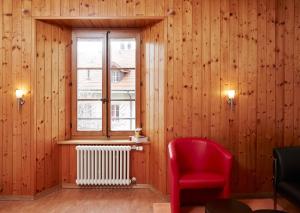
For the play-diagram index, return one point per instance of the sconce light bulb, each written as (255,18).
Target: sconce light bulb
(19,93)
(231,94)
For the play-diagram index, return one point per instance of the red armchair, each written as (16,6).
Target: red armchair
(201,164)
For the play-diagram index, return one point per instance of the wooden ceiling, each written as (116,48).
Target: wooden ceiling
(106,22)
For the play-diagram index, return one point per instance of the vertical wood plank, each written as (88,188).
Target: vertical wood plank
(206,63)
(197,68)
(55,101)
(288,54)
(55,7)
(178,71)
(297,73)
(103,5)
(252,93)
(224,72)
(62,83)
(170,76)
(1,100)
(161,107)
(68,52)
(65,7)
(16,83)
(139,7)
(271,85)
(74,7)
(130,7)
(215,70)
(8,98)
(40,113)
(279,72)
(27,66)
(262,162)
(187,72)
(48,103)
(243,92)
(233,121)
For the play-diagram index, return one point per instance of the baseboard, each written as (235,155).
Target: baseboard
(133,186)
(29,197)
(16,197)
(47,191)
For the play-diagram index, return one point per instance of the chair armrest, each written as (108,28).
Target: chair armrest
(173,164)
(224,160)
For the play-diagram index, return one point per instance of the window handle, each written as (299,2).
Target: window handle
(104,100)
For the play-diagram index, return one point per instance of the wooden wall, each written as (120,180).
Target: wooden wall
(53,100)
(16,158)
(153,96)
(245,45)
(209,46)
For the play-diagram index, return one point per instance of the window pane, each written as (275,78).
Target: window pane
(123,83)
(89,84)
(89,125)
(122,53)
(89,52)
(124,88)
(89,115)
(122,115)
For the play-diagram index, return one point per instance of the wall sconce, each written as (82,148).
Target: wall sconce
(19,95)
(230,97)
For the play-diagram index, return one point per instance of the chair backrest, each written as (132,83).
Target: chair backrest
(194,154)
(288,163)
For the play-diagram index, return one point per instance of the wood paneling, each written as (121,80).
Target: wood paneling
(53,69)
(249,46)
(104,22)
(152,98)
(187,60)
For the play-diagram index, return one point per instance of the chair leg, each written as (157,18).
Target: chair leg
(226,192)
(175,201)
(275,200)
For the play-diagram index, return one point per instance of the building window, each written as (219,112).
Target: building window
(116,76)
(105,102)
(115,112)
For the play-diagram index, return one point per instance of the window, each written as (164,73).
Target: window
(105,75)
(115,111)
(116,76)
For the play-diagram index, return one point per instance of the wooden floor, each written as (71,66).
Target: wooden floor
(111,201)
(88,200)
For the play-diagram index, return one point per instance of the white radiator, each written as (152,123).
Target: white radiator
(104,165)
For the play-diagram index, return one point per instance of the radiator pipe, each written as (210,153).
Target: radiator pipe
(137,148)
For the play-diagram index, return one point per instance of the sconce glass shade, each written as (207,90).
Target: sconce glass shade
(231,94)
(20,93)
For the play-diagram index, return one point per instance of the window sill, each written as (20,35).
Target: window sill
(100,142)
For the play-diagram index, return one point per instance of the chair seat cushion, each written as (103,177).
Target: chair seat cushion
(290,189)
(201,180)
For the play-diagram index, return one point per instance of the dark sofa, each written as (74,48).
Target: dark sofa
(287,174)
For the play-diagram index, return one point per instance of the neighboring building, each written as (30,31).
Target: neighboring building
(122,90)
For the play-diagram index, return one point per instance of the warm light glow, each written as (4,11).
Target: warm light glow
(231,94)
(20,93)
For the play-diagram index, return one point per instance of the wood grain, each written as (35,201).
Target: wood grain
(188,59)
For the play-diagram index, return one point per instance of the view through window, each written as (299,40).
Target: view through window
(106,83)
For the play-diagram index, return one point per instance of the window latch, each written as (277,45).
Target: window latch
(104,100)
